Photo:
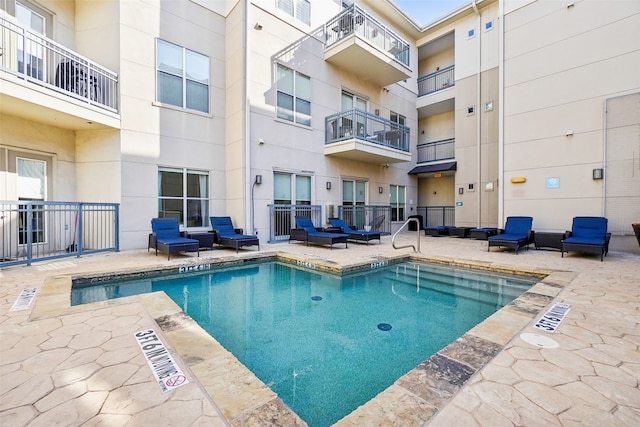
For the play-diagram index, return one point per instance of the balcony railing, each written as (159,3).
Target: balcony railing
(42,61)
(37,231)
(441,79)
(365,126)
(354,20)
(438,150)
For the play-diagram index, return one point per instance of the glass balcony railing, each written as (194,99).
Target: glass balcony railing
(437,150)
(40,60)
(439,80)
(365,126)
(354,20)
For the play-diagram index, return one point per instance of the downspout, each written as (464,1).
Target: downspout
(478,118)
(248,193)
(501,184)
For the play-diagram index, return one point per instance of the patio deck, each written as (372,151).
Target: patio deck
(81,365)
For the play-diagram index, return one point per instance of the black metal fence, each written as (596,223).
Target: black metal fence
(364,216)
(36,231)
(434,216)
(282,219)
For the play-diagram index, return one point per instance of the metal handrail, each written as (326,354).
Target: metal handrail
(393,239)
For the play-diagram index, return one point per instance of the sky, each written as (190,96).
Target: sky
(426,11)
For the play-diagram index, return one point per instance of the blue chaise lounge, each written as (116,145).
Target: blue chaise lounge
(230,237)
(308,233)
(516,234)
(340,226)
(588,234)
(166,237)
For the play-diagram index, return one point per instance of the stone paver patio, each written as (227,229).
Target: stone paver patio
(65,366)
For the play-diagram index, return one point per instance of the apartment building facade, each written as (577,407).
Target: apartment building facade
(198,108)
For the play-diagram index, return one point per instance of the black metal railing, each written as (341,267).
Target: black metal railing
(435,216)
(365,126)
(437,150)
(364,216)
(439,80)
(282,219)
(38,59)
(354,20)
(37,231)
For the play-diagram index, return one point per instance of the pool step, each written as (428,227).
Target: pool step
(461,285)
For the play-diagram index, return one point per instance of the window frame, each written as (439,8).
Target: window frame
(186,81)
(295,10)
(283,112)
(203,201)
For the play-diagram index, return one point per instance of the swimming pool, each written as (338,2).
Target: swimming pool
(328,343)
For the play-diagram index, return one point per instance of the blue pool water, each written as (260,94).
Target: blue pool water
(324,343)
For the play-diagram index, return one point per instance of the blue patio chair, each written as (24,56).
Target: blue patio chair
(588,234)
(516,234)
(308,233)
(166,237)
(354,234)
(230,237)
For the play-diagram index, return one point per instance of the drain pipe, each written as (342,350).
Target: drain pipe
(478,118)
(501,184)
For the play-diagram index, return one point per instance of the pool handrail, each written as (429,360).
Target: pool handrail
(393,239)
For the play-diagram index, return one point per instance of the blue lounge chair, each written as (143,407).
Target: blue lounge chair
(230,237)
(340,226)
(588,234)
(308,233)
(516,234)
(166,237)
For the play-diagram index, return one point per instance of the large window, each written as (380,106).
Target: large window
(301,9)
(398,202)
(182,77)
(184,194)
(294,96)
(31,186)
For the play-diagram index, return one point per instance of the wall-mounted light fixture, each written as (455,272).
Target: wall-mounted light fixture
(598,173)
(328,185)
(258,179)
(377,111)
(569,132)
(437,175)
(260,141)
(461,190)
(258,26)
(518,180)
(380,190)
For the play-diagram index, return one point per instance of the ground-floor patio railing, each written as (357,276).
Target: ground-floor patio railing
(359,216)
(282,219)
(36,231)
(434,216)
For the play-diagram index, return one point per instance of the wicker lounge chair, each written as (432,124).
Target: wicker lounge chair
(308,233)
(516,234)
(228,236)
(166,238)
(339,226)
(588,234)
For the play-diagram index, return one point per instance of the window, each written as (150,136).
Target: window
(397,198)
(31,55)
(398,118)
(488,25)
(471,33)
(350,102)
(301,9)
(182,77)
(183,194)
(294,96)
(31,186)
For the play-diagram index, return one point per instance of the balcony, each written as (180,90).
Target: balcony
(439,80)
(359,135)
(46,82)
(435,157)
(360,44)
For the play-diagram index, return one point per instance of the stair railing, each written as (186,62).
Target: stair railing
(393,239)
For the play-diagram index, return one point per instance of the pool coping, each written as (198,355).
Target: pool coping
(242,398)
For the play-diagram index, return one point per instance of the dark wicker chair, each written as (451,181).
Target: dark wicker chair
(308,233)
(589,235)
(228,236)
(339,226)
(166,237)
(517,233)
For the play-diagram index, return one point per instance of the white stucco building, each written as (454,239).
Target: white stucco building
(198,108)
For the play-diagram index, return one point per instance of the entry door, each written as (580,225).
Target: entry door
(349,103)
(30,49)
(354,198)
(31,187)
